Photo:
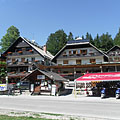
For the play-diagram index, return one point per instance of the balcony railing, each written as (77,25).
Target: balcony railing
(17,74)
(16,63)
(30,52)
(80,55)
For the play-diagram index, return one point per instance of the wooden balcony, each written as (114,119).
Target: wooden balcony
(30,52)
(18,75)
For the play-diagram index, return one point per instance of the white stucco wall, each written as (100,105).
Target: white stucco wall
(83,60)
(39,58)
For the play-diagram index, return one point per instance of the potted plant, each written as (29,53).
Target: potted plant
(19,51)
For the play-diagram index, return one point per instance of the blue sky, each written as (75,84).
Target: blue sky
(36,19)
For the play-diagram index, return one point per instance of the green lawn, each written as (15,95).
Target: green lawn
(5,117)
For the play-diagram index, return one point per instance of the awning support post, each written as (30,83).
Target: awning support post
(85,88)
(75,88)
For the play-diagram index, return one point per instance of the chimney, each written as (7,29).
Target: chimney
(33,41)
(44,48)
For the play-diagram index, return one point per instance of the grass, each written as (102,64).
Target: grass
(5,117)
(52,114)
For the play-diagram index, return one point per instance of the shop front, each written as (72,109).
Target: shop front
(44,82)
(94,83)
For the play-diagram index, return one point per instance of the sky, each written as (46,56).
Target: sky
(37,19)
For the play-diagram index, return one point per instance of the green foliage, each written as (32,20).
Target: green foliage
(70,36)
(56,41)
(97,41)
(11,35)
(89,37)
(117,38)
(106,42)
(5,117)
(2,72)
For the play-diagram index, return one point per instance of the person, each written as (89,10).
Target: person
(9,91)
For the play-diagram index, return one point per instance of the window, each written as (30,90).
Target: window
(64,54)
(32,59)
(28,48)
(92,54)
(92,61)
(23,59)
(74,52)
(13,60)
(65,61)
(84,52)
(70,52)
(19,49)
(78,62)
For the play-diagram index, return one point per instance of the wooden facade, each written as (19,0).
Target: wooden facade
(22,57)
(42,82)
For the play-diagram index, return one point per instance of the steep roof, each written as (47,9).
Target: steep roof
(116,46)
(52,75)
(34,46)
(77,44)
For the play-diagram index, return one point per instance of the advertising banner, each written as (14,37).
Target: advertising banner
(3,87)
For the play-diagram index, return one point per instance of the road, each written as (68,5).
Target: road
(83,106)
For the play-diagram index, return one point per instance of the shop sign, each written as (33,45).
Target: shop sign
(32,87)
(53,90)
(40,77)
(3,87)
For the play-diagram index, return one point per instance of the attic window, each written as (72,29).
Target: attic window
(28,48)
(64,54)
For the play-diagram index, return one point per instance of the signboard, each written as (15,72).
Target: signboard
(40,77)
(53,90)
(110,76)
(32,87)
(3,87)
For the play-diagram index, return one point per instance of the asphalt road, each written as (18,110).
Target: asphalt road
(83,106)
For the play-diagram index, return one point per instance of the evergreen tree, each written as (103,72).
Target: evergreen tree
(117,38)
(83,37)
(11,35)
(97,41)
(106,42)
(56,41)
(70,36)
(89,37)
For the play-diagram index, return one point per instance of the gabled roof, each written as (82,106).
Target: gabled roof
(34,46)
(52,75)
(76,45)
(112,48)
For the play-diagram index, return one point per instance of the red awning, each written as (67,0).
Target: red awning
(111,76)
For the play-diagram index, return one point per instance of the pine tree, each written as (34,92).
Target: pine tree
(97,41)
(117,38)
(70,36)
(89,37)
(106,42)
